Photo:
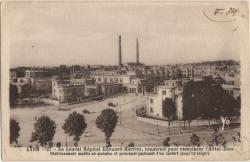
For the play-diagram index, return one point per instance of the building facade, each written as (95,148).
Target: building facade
(172,90)
(64,91)
(232,83)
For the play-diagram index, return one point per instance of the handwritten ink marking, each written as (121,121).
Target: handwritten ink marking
(219,11)
(209,18)
(232,11)
(235,29)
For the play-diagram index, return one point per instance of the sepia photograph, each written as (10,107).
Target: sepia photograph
(124,75)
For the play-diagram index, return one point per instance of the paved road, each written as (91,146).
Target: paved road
(130,130)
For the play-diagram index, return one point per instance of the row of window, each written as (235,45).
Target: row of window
(171,90)
(230,82)
(42,84)
(111,79)
(152,111)
(169,83)
(70,90)
(112,90)
(82,82)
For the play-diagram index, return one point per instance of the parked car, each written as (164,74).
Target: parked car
(86,111)
(111,104)
(86,134)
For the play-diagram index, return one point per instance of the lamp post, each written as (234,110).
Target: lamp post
(124,140)
(124,97)
(120,112)
(66,141)
(158,131)
(135,110)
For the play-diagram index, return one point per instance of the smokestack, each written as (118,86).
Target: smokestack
(137,51)
(120,51)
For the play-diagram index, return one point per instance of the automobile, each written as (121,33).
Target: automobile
(111,104)
(86,111)
(86,134)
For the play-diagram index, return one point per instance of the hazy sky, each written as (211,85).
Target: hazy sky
(57,34)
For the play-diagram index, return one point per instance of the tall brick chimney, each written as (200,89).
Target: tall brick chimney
(137,51)
(120,51)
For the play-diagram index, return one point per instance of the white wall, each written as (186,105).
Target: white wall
(160,97)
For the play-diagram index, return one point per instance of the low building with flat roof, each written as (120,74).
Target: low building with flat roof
(111,88)
(67,92)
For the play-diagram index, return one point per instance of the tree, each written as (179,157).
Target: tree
(238,101)
(237,138)
(169,111)
(195,140)
(14,131)
(212,101)
(44,130)
(75,125)
(237,106)
(13,94)
(58,144)
(131,144)
(204,104)
(218,140)
(26,91)
(219,80)
(189,109)
(166,142)
(106,122)
(224,105)
(203,97)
